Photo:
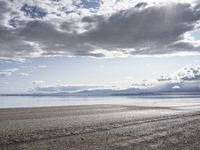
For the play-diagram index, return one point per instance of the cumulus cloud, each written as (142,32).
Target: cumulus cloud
(97,28)
(7,72)
(22,74)
(176,87)
(187,73)
(184,80)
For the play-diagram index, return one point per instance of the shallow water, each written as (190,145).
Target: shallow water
(28,101)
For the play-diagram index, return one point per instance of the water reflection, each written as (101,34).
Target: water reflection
(25,101)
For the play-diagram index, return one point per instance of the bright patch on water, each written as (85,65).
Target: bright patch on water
(26,101)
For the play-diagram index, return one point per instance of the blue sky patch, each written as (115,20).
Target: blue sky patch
(90,4)
(33,11)
(13,22)
(196,34)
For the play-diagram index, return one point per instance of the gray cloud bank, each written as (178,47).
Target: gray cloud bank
(143,29)
(62,88)
(185,80)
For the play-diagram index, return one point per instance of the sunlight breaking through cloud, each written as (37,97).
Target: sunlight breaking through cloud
(81,28)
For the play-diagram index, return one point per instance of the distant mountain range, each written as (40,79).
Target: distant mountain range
(161,90)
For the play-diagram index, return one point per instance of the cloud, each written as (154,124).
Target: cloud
(150,31)
(33,11)
(184,80)
(3,83)
(176,87)
(7,72)
(38,82)
(11,60)
(97,28)
(42,66)
(187,73)
(22,74)
(63,88)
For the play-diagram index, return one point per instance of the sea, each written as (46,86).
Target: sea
(47,101)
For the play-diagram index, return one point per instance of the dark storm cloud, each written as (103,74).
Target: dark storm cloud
(54,42)
(12,45)
(153,30)
(4,9)
(142,4)
(145,30)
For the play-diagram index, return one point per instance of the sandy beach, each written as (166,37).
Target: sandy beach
(100,127)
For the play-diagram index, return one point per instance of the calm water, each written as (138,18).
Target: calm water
(18,102)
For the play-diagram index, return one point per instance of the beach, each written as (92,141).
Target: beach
(100,127)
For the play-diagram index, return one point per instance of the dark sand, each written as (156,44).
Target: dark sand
(100,127)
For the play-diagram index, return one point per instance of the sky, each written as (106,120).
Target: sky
(73,45)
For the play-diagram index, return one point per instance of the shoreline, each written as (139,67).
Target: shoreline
(99,127)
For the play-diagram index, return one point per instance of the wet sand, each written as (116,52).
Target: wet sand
(100,127)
